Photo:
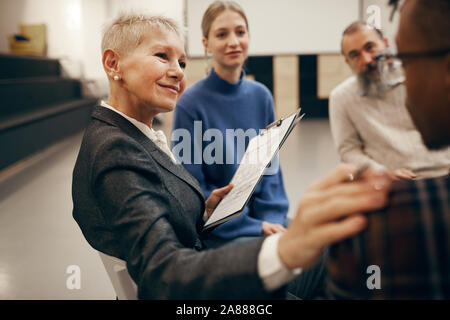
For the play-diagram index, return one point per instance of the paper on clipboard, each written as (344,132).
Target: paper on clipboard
(260,152)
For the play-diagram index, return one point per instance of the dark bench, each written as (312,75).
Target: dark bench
(38,107)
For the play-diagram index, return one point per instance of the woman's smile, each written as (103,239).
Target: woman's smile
(173,89)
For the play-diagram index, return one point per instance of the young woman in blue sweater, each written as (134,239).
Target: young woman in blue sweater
(218,111)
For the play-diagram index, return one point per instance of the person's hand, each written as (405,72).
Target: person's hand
(269,228)
(401,174)
(331,210)
(215,197)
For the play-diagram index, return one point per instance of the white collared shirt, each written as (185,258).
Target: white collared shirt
(271,269)
(156,136)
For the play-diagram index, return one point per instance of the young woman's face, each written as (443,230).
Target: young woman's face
(228,40)
(153,74)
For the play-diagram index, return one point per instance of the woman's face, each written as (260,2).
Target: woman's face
(153,74)
(228,40)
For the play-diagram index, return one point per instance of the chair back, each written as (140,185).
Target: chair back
(121,281)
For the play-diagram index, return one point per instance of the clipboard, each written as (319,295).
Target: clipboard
(258,156)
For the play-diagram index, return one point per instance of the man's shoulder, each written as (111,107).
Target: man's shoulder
(416,192)
(400,238)
(348,86)
(409,205)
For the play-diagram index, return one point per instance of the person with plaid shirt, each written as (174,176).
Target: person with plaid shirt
(404,253)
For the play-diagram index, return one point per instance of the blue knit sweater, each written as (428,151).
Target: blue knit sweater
(221,105)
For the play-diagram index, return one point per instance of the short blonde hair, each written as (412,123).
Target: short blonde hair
(127,31)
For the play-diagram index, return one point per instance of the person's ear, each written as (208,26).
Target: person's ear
(386,42)
(110,62)
(343,53)
(205,44)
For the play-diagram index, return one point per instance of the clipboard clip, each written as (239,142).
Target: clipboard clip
(273,124)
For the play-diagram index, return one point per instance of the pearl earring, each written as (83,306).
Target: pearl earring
(116,77)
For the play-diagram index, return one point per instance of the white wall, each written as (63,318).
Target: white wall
(389,28)
(63,19)
(73,28)
(284,26)
(94,15)
(168,8)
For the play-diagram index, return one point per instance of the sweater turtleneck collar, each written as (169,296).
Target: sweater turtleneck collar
(222,85)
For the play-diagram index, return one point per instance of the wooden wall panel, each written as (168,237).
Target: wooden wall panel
(331,71)
(286,84)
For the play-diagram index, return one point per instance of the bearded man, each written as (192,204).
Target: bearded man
(369,120)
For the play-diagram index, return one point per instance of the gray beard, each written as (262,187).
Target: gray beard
(373,87)
(377,85)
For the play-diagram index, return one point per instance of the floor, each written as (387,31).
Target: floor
(41,245)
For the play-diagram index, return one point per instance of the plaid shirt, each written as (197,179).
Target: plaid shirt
(409,241)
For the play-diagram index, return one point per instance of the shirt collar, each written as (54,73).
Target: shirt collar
(158,136)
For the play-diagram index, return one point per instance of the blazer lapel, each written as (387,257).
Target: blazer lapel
(111,117)
(178,170)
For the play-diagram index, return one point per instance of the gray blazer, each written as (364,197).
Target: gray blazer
(132,202)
